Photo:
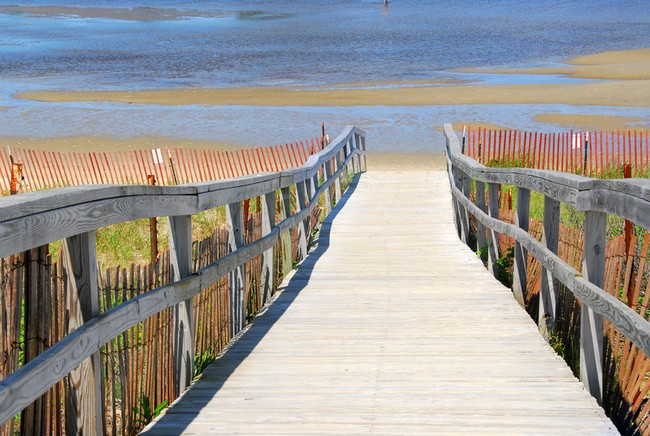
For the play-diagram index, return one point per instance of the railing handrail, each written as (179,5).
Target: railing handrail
(33,219)
(628,199)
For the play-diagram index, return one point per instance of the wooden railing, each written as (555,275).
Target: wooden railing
(74,214)
(628,199)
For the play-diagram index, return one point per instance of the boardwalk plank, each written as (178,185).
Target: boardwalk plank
(392,326)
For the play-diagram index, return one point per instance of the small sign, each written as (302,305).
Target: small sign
(157,156)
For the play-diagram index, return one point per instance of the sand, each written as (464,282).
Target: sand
(127,14)
(593,122)
(406,162)
(103,143)
(613,65)
(629,88)
(610,93)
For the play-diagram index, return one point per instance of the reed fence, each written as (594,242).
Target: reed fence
(38,169)
(596,154)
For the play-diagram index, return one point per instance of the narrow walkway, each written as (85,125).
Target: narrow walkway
(391,327)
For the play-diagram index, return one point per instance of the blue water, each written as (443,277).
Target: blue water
(119,44)
(309,42)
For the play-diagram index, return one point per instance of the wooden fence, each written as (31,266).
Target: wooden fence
(169,166)
(96,353)
(587,293)
(589,153)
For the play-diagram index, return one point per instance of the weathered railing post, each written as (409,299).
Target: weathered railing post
(357,145)
(520,278)
(462,218)
(481,242)
(36,315)
(84,411)
(327,174)
(285,212)
(268,222)
(236,284)
(180,248)
(336,162)
(465,187)
(493,237)
(303,227)
(591,323)
(549,284)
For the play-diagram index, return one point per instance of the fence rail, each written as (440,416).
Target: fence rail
(588,153)
(73,214)
(169,166)
(628,199)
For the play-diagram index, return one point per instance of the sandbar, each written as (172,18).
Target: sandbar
(593,122)
(126,14)
(612,65)
(625,81)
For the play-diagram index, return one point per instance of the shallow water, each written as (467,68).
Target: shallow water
(231,43)
(120,44)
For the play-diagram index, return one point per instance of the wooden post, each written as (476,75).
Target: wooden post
(549,284)
(591,323)
(153,226)
(465,188)
(36,313)
(327,174)
(337,181)
(303,226)
(16,177)
(459,209)
(268,222)
(84,411)
(362,147)
(357,145)
(521,254)
(481,241)
(629,227)
(237,276)
(180,251)
(493,237)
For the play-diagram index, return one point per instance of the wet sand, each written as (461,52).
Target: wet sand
(626,82)
(610,93)
(128,14)
(102,143)
(613,65)
(593,122)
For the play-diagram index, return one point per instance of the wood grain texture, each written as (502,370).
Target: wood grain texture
(370,338)
(84,400)
(548,293)
(180,251)
(520,254)
(591,323)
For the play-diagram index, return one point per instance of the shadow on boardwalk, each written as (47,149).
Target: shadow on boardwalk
(190,404)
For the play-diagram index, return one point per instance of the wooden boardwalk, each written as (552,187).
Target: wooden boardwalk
(392,326)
